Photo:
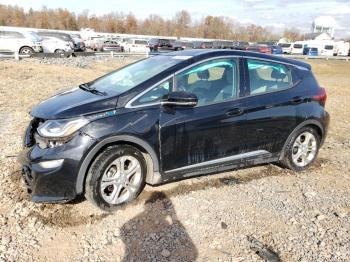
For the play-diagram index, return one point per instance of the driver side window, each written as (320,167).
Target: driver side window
(212,82)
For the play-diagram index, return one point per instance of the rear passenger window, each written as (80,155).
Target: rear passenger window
(267,77)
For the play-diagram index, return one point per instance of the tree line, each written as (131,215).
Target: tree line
(182,24)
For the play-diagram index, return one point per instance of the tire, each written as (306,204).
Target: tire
(59,51)
(26,50)
(119,189)
(298,144)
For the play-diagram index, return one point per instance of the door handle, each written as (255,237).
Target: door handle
(297,100)
(235,112)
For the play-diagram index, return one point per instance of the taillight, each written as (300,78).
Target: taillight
(321,96)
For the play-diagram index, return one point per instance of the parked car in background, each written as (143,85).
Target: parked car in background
(22,42)
(62,36)
(123,42)
(159,119)
(260,49)
(110,45)
(298,48)
(97,43)
(202,45)
(79,44)
(240,45)
(182,45)
(286,48)
(268,43)
(159,44)
(56,45)
(91,40)
(222,44)
(137,45)
(276,50)
(310,51)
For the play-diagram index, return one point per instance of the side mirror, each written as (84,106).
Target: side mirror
(180,99)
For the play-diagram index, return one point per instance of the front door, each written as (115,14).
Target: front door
(212,130)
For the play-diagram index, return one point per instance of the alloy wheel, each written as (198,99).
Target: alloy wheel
(121,180)
(304,149)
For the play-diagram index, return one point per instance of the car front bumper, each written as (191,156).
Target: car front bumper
(50,174)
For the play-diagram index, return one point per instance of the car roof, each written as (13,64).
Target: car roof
(208,53)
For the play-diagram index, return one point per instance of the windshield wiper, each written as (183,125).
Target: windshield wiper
(87,88)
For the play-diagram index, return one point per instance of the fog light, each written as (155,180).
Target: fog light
(51,163)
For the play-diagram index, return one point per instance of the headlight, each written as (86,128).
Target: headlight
(61,128)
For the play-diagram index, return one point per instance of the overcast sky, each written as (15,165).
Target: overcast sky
(277,13)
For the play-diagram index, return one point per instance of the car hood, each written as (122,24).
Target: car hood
(72,103)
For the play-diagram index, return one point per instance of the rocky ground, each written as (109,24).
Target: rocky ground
(233,216)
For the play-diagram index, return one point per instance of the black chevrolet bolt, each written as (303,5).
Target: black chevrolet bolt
(170,117)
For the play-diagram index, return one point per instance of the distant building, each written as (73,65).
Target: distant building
(324,24)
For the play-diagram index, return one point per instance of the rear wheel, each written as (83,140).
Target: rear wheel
(116,177)
(26,50)
(302,149)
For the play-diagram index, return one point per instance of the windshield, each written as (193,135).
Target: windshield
(129,77)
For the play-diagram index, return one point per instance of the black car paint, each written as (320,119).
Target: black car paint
(173,137)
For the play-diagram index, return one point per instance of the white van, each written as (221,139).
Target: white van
(298,48)
(137,45)
(342,48)
(20,41)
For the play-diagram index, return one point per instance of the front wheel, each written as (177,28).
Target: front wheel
(302,149)
(116,177)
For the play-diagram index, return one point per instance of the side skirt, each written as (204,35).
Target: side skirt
(212,169)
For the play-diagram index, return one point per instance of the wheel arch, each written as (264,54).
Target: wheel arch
(151,158)
(25,46)
(310,122)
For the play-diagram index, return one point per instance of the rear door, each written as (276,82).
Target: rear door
(271,103)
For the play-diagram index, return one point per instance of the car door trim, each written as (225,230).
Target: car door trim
(219,161)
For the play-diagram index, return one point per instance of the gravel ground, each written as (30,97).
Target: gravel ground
(232,216)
